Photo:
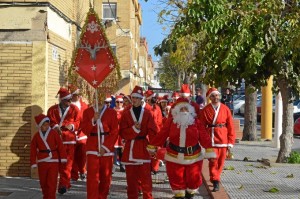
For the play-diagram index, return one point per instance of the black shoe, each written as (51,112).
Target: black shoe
(189,195)
(82,176)
(122,169)
(216,186)
(62,190)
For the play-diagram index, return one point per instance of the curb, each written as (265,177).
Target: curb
(222,194)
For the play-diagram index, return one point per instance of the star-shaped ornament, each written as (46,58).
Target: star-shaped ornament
(111,66)
(76,68)
(95,82)
(94,67)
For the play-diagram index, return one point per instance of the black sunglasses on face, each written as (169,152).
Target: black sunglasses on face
(119,102)
(107,102)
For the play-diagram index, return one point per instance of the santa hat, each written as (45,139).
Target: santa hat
(119,98)
(149,94)
(212,91)
(165,98)
(175,95)
(74,90)
(128,97)
(137,92)
(64,94)
(40,119)
(185,90)
(108,98)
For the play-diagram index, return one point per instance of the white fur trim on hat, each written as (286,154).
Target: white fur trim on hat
(214,92)
(137,95)
(66,97)
(43,120)
(76,92)
(186,94)
(153,95)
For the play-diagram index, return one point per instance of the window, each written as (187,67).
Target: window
(109,11)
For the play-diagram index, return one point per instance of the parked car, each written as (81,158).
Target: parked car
(297,127)
(242,108)
(237,103)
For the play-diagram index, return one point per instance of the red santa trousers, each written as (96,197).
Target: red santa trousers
(79,160)
(154,164)
(216,165)
(139,176)
(48,173)
(183,177)
(99,176)
(65,169)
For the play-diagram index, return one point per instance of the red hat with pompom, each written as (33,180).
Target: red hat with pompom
(40,119)
(137,92)
(212,91)
(185,90)
(64,94)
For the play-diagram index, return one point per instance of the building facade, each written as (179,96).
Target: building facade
(37,39)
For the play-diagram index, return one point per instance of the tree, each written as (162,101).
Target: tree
(251,40)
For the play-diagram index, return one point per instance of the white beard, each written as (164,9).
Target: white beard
(183,119)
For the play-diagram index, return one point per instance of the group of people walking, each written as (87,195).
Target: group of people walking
(74,141)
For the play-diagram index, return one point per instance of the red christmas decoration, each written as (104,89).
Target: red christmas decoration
(94,59)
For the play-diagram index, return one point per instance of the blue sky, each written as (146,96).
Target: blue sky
(150,28)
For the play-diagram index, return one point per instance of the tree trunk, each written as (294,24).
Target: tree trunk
(286,138)
(249,132)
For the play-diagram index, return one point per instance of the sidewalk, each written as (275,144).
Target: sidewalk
(26,188)
(252,178)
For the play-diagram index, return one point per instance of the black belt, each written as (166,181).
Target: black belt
(216,125)
(46,151)
(140,137)
(96,134)
(187,150)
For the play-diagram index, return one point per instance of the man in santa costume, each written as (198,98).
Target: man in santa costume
(137,123)
(79,151)
(184,157)
(119,144)
(101,125)
(65,118)
(46,151)
(151,98)
(218,121)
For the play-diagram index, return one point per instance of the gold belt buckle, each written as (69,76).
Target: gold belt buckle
(189,150)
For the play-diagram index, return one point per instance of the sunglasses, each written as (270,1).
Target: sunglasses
(67,100)
(119,102)
(107,102)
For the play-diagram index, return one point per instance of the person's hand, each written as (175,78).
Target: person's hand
(69,127)
(102,151)
(137,125)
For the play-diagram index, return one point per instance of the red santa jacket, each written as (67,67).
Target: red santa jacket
(108,129)
(187,140)
(82,106)
(47,148)
(157,116)
(70,116)
(219,125)
(136,140)
(119,115)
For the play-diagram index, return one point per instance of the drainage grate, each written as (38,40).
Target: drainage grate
(5,193)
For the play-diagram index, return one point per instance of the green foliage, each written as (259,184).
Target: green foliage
(273,190)
(294,158)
